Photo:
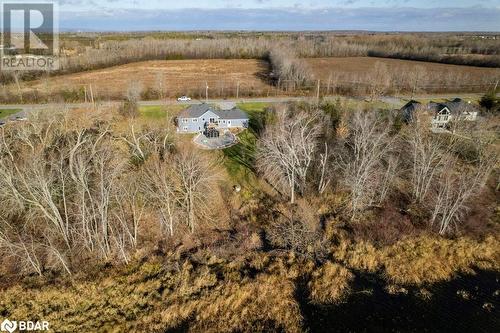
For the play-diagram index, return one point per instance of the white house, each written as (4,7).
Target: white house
(442,113)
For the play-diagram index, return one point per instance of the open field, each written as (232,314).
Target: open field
(402,74)
(228,78)
(172,77)
(322,67)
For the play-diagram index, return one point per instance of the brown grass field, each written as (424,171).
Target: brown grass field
(188,77)
(357,65)
(178,76)
(357,69)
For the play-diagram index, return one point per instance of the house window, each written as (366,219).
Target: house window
(185,128)
(185,120)
(195,120)
(229,123)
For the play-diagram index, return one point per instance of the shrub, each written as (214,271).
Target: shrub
(490,101)
(431,259)
(330,283)
(129,109)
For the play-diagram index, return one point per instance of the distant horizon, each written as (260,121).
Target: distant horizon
(393,19)
(288,31)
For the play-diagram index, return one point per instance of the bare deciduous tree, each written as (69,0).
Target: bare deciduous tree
(291,72)
(25,250)
(380,80)
(146,141)
(287,149)
(325,179)
(429,153)
(456,187)
(196,175)
(161,188)
(134,91)
(360,159)
(69,191)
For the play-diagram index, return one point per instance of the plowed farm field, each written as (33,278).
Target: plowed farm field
(227,78)
(403,74)
(172,77)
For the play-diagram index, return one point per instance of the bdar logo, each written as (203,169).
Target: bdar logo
(8,326)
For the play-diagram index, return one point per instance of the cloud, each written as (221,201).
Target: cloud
(375,19)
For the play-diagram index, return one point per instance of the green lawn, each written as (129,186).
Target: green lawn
(159,112)
(239,160)
(4,113)
(253,107)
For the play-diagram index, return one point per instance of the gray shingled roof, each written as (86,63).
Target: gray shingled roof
(455,106)
(408,110)
(234,113)
(195,111)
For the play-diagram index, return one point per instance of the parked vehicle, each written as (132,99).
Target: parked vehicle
(183,99)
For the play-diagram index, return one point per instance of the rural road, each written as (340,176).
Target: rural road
(396,101)
(162,102)
(34,107)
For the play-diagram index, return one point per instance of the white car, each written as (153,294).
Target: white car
(184,99)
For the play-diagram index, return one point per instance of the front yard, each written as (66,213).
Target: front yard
(4,113)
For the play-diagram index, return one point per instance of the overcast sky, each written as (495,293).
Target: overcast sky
(380,15)
(252,4)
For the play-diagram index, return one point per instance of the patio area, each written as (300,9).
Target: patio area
(225,140)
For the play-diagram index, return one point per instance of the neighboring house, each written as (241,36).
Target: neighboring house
(442,113)
(457,109)
(408,110)
(203,117)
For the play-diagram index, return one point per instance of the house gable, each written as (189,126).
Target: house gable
(209,114)
(444,111)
